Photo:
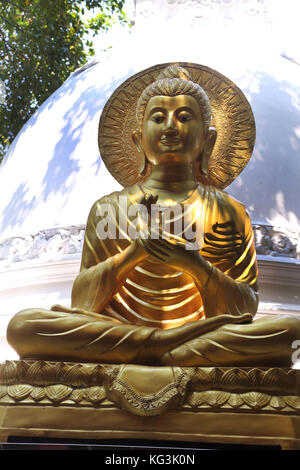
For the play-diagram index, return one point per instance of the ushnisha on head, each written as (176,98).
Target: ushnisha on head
(175,81)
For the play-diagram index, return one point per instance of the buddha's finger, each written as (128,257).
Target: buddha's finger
(173,240)
(160,254)
(245,318)
(157,245)
(152,252)
(167,242)
(166,340)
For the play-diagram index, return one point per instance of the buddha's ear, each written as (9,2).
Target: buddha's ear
(137,140)
(142,160)
(210,141)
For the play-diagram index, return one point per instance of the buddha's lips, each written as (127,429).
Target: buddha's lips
(171,141)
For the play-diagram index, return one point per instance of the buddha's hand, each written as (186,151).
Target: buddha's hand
(164,341)
(178,254)
(165,250)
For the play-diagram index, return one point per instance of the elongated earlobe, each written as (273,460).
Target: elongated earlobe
(142,161)
(137,140)
(202,163)
(147,166)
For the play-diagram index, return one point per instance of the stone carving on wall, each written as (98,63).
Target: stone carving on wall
(202,10)
(253,7)
(51,244)
(145,9)
(273,241)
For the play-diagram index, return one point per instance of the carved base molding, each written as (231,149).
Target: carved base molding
(212,404)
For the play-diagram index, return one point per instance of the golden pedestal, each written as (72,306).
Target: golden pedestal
(259,406)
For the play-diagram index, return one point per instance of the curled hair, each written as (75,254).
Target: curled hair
(174,81)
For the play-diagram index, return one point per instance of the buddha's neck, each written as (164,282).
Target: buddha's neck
(173,178)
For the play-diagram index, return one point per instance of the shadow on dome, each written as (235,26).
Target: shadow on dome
(275,165)
(64,166)
(67,158)
(19,208)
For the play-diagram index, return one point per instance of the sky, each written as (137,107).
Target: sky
(104,40)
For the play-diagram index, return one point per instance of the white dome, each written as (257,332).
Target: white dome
(52,172)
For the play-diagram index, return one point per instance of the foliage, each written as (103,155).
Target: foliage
(41,43)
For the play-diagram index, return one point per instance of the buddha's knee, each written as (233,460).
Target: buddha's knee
(292,324)
(19,329)
(288,324)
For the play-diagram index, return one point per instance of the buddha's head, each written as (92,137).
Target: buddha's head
(173,116)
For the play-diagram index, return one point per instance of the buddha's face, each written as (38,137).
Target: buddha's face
(173,130)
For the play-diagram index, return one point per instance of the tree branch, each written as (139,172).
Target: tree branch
(11,24)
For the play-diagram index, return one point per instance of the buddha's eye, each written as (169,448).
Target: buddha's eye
(158,118)
(184,116)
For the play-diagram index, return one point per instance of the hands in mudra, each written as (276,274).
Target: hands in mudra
(169,248)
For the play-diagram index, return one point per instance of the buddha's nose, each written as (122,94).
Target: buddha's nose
(170,127)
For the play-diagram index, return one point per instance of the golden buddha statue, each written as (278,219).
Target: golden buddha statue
(185,292)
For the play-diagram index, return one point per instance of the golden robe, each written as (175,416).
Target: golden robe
(160,315)
(155,294)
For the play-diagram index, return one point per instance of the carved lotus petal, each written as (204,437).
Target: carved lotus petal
(19,391)
(236,378)
(201,379)
(277,402)
(3,390)
(78,375)
(256,400)
(22,368)
(215,376)
(78,395)
(57,393)
(293,374)
(276,379)
(215,398)
(255,376)
(95,394)
(38,393)
(59,371)
(97,375)
(8,372)
(235,400)
(195,399)
(293,401)
(294,377)
(41,373)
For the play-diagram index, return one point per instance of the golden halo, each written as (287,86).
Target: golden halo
(231,116)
